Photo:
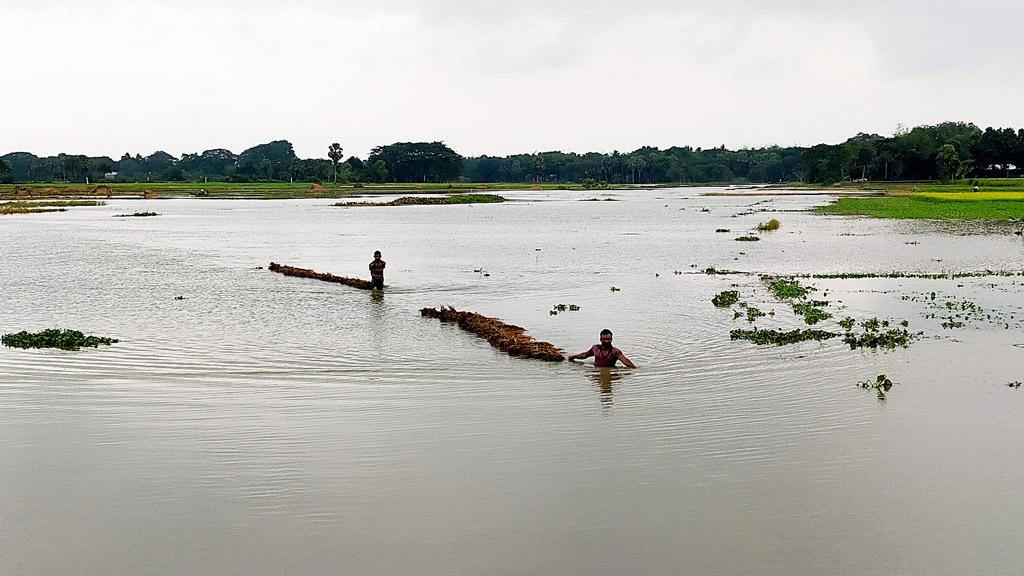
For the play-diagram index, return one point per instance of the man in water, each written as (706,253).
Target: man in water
(604,353)
(377,271)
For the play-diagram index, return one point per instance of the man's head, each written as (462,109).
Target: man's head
(376,254)
(606,338)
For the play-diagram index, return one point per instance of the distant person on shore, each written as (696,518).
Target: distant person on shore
(604,353)
(377,271)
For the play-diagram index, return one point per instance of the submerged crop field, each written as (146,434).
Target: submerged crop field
(938,206)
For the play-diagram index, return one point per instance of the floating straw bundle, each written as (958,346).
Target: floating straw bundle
(505,337)
(304,273)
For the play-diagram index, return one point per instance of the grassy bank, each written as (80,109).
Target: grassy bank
(994,199)
(20,207)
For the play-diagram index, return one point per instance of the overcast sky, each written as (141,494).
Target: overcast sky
(105,77)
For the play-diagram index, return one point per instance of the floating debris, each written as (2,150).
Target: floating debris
(614,289)
(54,338)
(1014,384)
(314,275)
(505,337)
(136,215)
(720,230)
(748,238)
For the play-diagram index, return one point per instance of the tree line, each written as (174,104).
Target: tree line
(947,151)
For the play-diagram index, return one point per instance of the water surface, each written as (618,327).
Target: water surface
(274,425)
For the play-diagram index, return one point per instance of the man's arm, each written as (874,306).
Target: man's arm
(582,355)
(626,361)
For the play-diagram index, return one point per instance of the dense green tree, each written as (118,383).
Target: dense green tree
(418,161)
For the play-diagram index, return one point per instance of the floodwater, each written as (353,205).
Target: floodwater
(268,425)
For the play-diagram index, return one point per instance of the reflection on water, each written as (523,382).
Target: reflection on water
(605,378)
(274,425)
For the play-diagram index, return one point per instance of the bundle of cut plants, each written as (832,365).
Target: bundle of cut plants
(313,274)
(505,337)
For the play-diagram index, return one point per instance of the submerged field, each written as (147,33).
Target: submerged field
(272,424)
(938,206)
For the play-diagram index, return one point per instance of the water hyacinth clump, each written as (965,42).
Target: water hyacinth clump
(726,298)
(878,334)
(779,337)
(53,338)
(769,226)
(787,288)
(748,238)
(812,311)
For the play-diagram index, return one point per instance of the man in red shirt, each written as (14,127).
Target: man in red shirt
(604,353)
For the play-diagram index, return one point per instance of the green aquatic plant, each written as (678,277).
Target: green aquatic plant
(877,334)
(780,338)
(847,323)
(136,215)
(881,384)
(726,298)
(748,238)
(563,308)
(54,338)
(769,226)
(812,311)
(754,313)
(785,288)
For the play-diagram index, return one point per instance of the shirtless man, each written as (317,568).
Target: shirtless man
(377,271)
(604,353)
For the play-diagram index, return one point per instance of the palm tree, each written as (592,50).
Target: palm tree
(335,154)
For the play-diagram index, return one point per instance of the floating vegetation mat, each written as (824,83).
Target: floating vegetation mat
(725,299)
(505,337)
(432,201)
(136,215)
(314,275)
(778,337)
(748,238)
(53,338)
(769,226)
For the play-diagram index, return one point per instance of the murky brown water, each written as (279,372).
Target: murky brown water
(272,425)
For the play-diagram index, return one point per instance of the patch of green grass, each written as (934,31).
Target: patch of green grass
(53,338)
(926,207)
(780,338)
(431,200)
